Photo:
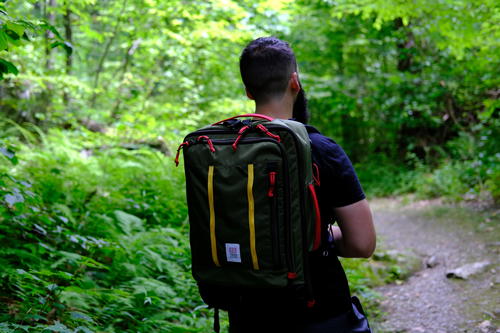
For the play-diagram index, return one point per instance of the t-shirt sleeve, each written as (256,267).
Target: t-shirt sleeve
(340,185)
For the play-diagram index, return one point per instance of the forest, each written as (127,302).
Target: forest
(95,97)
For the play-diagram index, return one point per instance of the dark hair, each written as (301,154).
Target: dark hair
(266,65)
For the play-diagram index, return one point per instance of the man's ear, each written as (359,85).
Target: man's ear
(249,95)
(294,82)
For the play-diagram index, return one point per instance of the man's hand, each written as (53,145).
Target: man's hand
(355,236)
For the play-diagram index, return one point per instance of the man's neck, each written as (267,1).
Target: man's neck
(281,109)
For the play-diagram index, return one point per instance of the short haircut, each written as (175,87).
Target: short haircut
(266,65)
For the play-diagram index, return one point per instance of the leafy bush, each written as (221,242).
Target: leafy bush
(381,177)
(85,248)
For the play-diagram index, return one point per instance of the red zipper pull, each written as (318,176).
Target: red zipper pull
(272,182)
(184,144)
(241,132)
(266,132)
(209,141)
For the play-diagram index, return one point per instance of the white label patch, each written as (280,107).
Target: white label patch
(233,252)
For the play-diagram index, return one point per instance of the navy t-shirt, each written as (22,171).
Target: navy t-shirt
(339,186)
(339,182)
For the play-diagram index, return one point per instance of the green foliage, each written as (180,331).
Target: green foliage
(400,85)
(381,177)
(16,32)
(92,214)
(97,252)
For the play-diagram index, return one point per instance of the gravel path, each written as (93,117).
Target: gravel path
(443,237)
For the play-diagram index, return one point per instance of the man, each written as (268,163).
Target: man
(270,75)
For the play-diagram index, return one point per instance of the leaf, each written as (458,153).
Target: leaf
(3,41)
(26,184)
(27,24)
(57,327)
(52,287)
(77,260)
(52,29)
(17,28)
(21,327)
(65,45)
(40,230)
(128,222)
(9,154)
(7,67)
(80,316)
(26,37)
(13,37)
(12,199)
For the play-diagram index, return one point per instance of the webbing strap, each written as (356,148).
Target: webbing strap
(216,321)
(251,217)
(213,241)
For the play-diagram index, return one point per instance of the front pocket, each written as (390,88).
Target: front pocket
(240,226)
(237,231)
(246,217)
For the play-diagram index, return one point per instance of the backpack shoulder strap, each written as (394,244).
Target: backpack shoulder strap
(311,129)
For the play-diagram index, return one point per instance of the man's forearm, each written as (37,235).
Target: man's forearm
(355,235)
(339,242)
(341,248)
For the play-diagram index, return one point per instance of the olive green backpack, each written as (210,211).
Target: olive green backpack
(253,211)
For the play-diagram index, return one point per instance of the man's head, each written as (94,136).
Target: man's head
(269,70)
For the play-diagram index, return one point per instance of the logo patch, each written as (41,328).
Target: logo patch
(233,252)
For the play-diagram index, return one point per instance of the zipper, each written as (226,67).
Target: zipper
(273,204)
(290,261)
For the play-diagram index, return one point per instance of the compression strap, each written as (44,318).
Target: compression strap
(213,241)
(251,217)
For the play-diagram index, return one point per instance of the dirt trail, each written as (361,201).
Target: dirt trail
(445,237)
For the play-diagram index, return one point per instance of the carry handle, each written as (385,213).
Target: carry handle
(255,115)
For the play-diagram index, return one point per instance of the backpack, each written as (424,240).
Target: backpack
(253,210)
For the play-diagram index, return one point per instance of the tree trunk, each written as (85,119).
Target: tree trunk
(50,16)
(128,55)
(106,51)
(68,34)
(46,96)
(405,46)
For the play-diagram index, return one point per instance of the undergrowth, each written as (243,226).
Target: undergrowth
(467,170)
(93,239)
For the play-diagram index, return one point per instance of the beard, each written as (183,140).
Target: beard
(300,112)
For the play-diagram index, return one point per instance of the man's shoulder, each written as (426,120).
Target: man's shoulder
(320,142)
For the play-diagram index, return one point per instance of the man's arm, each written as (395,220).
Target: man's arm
(355,236)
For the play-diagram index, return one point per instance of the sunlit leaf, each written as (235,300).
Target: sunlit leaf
(3,41)
(128,222)
(80,316)
(12,199)
(17,28)
(6,67)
